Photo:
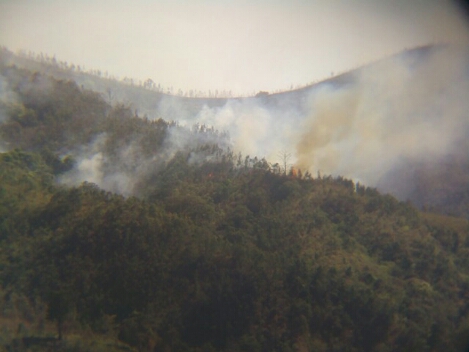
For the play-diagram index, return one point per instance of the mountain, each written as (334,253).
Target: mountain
(397,124)
(120,232)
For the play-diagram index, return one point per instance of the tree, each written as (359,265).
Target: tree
(285,157)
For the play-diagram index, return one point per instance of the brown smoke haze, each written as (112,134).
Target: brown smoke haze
(403,108)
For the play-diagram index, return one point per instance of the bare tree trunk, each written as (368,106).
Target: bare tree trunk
(285,158)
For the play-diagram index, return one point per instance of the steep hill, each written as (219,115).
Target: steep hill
(175,242)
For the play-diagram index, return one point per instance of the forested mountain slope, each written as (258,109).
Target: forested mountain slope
(178,243)
(231,260)
(436,178)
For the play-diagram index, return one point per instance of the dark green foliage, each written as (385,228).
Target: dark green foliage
(52,114)
(224,263)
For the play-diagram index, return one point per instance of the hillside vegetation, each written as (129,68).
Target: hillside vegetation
(207,250)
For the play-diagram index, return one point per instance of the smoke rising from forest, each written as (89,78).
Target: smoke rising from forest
(254,128)
(372,125)
(122,169)
(396,112)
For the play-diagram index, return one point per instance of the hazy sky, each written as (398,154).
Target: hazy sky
(244,46)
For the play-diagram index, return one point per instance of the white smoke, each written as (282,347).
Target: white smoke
(362,125)
(412,106)
(398,109)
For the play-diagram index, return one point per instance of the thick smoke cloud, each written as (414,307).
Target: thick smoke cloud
(363,125)
(402,108)
(252,127)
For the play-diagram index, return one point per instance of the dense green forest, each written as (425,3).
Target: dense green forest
(204,249)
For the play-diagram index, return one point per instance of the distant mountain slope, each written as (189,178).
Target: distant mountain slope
(149,100)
